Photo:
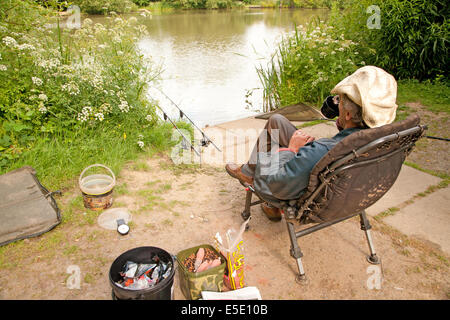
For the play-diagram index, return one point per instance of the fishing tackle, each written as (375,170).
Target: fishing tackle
(185,140)
(437,138)
(205,141)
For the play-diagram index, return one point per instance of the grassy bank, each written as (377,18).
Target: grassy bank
(227,4)
(59,159)
(307,65)
(434,95)
(408,39)
(431,101)
(71,97)
(126,6)
(311,61)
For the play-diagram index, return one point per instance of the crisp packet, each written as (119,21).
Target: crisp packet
(233,251)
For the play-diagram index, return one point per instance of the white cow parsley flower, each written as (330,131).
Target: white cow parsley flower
(37,81)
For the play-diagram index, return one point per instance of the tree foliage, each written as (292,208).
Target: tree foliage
(412,38)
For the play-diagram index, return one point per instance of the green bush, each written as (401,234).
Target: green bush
(105,6)
(305,3)
(58,81)
(414,38)
(412,41)
(141,3)
(218,4)
(312,4)
(307,65)
(55,4)
(204,4)
(193,4)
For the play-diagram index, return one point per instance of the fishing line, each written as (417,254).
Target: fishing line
(437,138)
(206,140)
(429,137)
(166,117)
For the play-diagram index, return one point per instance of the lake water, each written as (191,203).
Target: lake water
(209,58)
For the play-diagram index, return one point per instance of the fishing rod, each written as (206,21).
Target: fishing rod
(429,137)
(166,117)
(437,138)
(205,141)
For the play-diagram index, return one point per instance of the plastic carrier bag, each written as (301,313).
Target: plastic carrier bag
(233,251)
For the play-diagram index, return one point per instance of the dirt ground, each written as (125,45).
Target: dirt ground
(176,208)
(431,154)
(179,207)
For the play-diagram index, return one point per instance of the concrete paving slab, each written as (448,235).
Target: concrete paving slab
(409,183)
(322,130)
(295,112)
(427,218)
(237,138)
(245,123)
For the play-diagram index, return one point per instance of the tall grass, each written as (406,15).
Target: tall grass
(71,97)
(412,40)
(225,4)
(105,6)
(306,66)
(435,95)
(59,159)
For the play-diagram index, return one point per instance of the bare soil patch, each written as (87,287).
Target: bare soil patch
(431,154)
(176,208)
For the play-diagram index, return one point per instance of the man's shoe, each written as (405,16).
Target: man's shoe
(273,213)
(235,171)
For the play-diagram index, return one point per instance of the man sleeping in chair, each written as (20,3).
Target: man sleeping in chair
(283,157)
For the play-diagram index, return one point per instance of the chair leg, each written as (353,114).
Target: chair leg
(296,253)
(248,202)
(365,226)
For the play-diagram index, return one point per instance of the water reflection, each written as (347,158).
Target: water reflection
(209,58)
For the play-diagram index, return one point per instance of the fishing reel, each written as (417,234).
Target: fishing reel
(204,142)
(185,143)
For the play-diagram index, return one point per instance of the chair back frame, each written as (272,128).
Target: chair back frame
(407,139)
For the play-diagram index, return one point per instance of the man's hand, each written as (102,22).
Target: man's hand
(298,140)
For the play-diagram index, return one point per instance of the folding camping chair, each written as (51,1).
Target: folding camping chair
(352,176)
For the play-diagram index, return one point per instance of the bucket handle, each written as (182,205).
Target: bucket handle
(97,165)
